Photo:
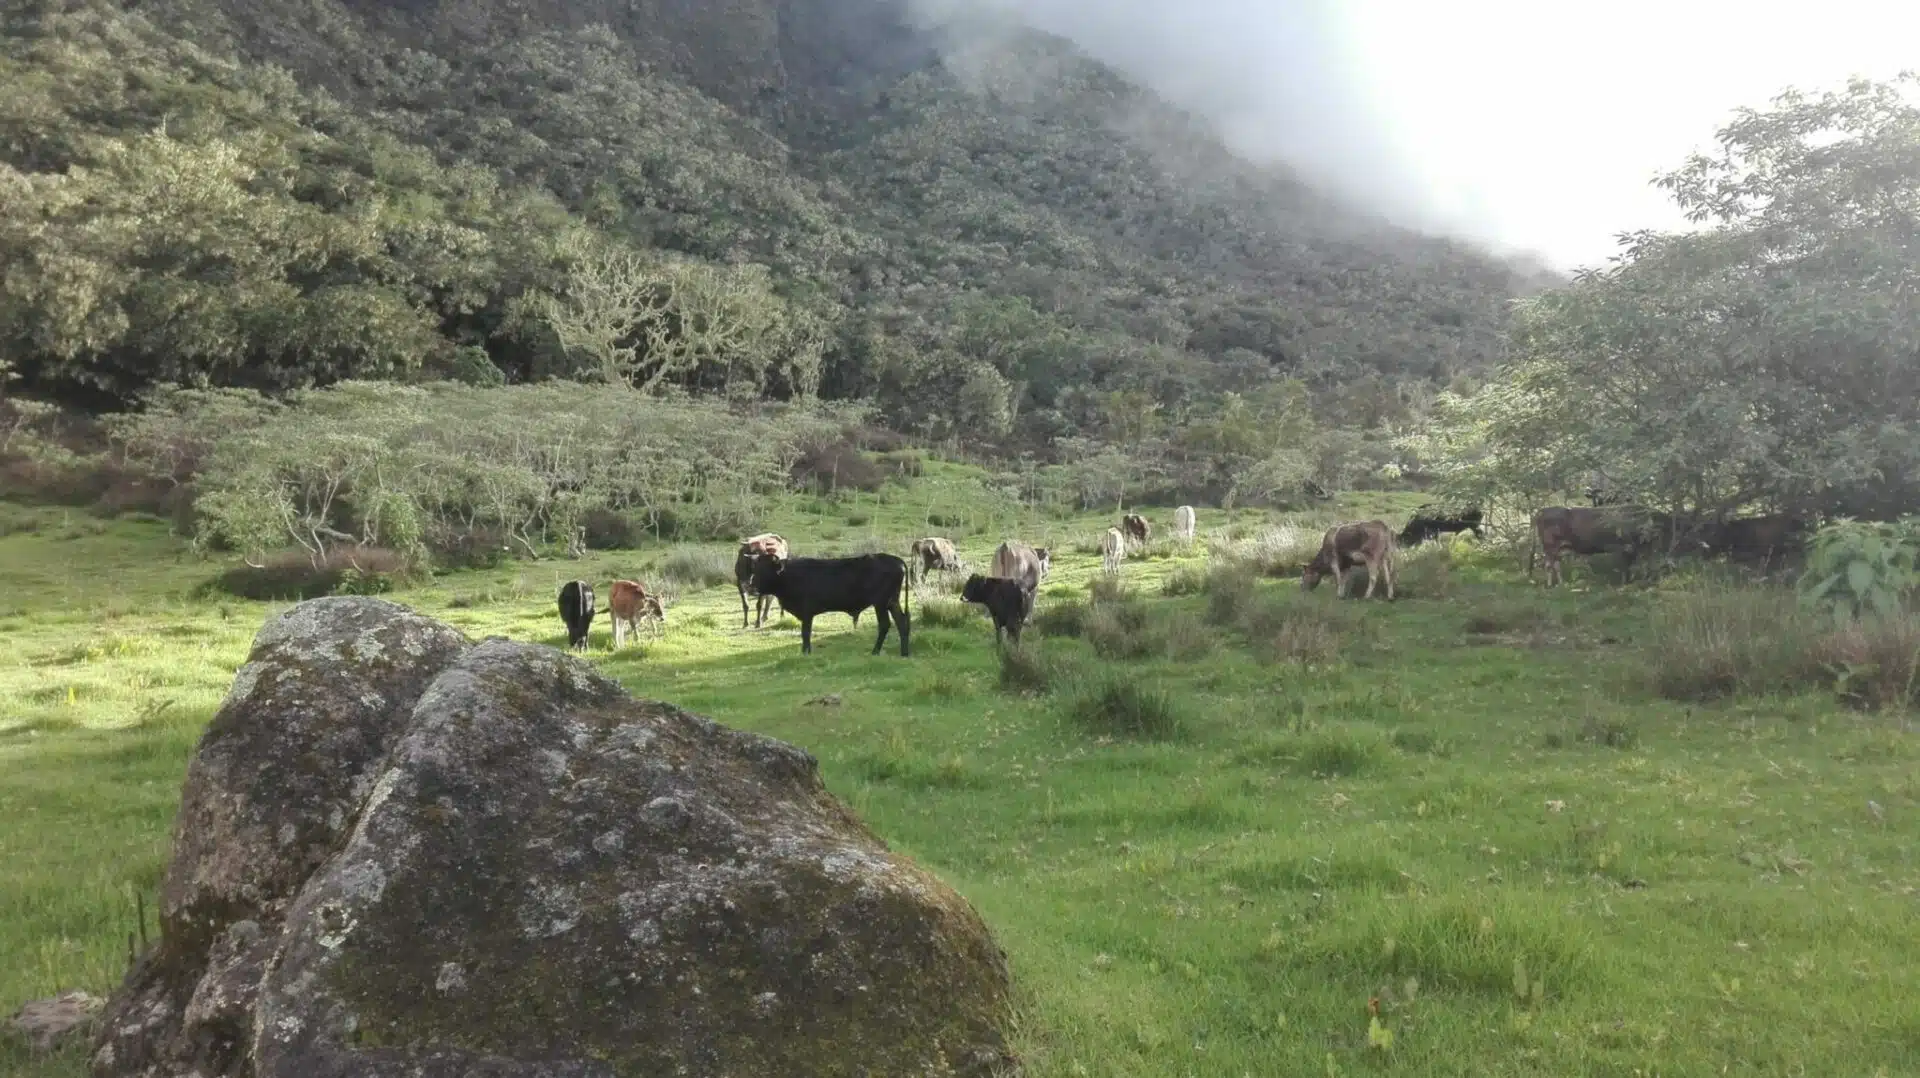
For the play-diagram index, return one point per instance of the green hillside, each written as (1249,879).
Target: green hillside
(981,239)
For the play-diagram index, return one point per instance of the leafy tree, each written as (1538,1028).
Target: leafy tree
(1771,357)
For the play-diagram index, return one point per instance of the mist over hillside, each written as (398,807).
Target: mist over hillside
(949,209)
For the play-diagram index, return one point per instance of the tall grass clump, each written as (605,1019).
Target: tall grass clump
(1027,669)
(1118,705)
(1278,629)
(690,569)
(1061,619)
(1715,641)
(1186,580)
(1875,662)
(1275,551)
(1424,571)
(943,613)
(1229,589)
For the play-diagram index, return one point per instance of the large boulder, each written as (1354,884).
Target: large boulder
(515,868)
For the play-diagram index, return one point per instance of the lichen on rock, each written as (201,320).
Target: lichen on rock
(536,874)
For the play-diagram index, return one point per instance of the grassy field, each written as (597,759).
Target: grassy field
(1215,825)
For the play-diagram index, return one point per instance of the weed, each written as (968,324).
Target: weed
(1186,580)
(1714,641)
(1875,662)
(1061,619)
(1026,669)
(1337,754)
(942,613)
(1279,629)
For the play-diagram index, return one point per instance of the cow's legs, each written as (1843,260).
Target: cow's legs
(743,603)
(1386,567)
(1339,580)
(1373,576)
(880,615)
(616,632)
(806,635)
(906,627)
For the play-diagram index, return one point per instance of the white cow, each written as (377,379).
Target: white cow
(1113,547)
(1183,523)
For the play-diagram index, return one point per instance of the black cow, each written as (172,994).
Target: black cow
(1432,521)
(576,609)
(1008,601)
(1748,539)
(808,587)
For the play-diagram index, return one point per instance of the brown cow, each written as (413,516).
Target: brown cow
(767,543)
(1135,528)
(1366,543)
(1630,530)
(933,553)
(631,606)
(1747,539)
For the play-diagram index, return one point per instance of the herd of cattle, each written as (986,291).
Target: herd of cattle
(765,570)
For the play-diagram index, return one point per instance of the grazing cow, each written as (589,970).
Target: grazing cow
(1006,600)
(576,609)
(809,587)
(765,543)
(1183,523)
(1630,530)
(1432,521)
(1136,528)
(630,605)
(1365,543)
(1113,549)
(1746,539)
(1015,560)
(934,553)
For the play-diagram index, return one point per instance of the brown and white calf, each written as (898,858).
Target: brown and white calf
(632,606)
(1366,543)
(770,544)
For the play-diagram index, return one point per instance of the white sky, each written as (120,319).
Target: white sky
(1538,123)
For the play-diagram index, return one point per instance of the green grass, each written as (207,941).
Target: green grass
(1203,854)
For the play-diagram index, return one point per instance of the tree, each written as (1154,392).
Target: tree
(1771,357)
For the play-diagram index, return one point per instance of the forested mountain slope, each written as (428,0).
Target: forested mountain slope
(982,234)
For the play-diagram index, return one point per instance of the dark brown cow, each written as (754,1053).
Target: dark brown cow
(767,543)
(1761,539)
(1135,528)
(1629,530)
(1365,543)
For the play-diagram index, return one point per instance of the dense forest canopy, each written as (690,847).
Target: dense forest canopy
(983,240)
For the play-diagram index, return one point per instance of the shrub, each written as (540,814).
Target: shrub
(1026,669)
(1061,619)
(903,463)
(1875,663)
(1118,705)
(1122,630)
(945,613)
(1277,551)
(466,548)
(1280,630)
(1229,591)
(689,569)
(607,529)
(293,577)
(1425,572)
(1106,589)
(1186,580)
(1709,642)
(835,466)
(1856,569)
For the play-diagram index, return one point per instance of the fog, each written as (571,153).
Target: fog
(1520,125)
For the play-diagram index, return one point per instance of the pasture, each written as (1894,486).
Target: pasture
(1216,822)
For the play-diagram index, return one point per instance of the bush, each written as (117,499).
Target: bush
(1025,669)
(1122,630)
(905,463)
(1279,630)
(945,614)
(1229,591)
(1106,589)
(1712,642)
(1186,580)
(1425,572)
(834,466)
(1875,663)
(689,569)
(607,529)
(1281,550)
(294,577)
(1118,705)
(1061,619)
(466,548)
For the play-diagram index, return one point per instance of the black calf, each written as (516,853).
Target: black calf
(1432,521)
(576,609)
(1007,600)
(808,587)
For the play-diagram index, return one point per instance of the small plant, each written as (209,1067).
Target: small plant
(1283,631)
(1118,705)
(1858,569)
(1709,642)
(1106,589)
(1612,733)
(1123,630)
(1186,580)
(1875,663)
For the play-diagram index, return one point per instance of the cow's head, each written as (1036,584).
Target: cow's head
(766,571)
(974,590)
(1310,576)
